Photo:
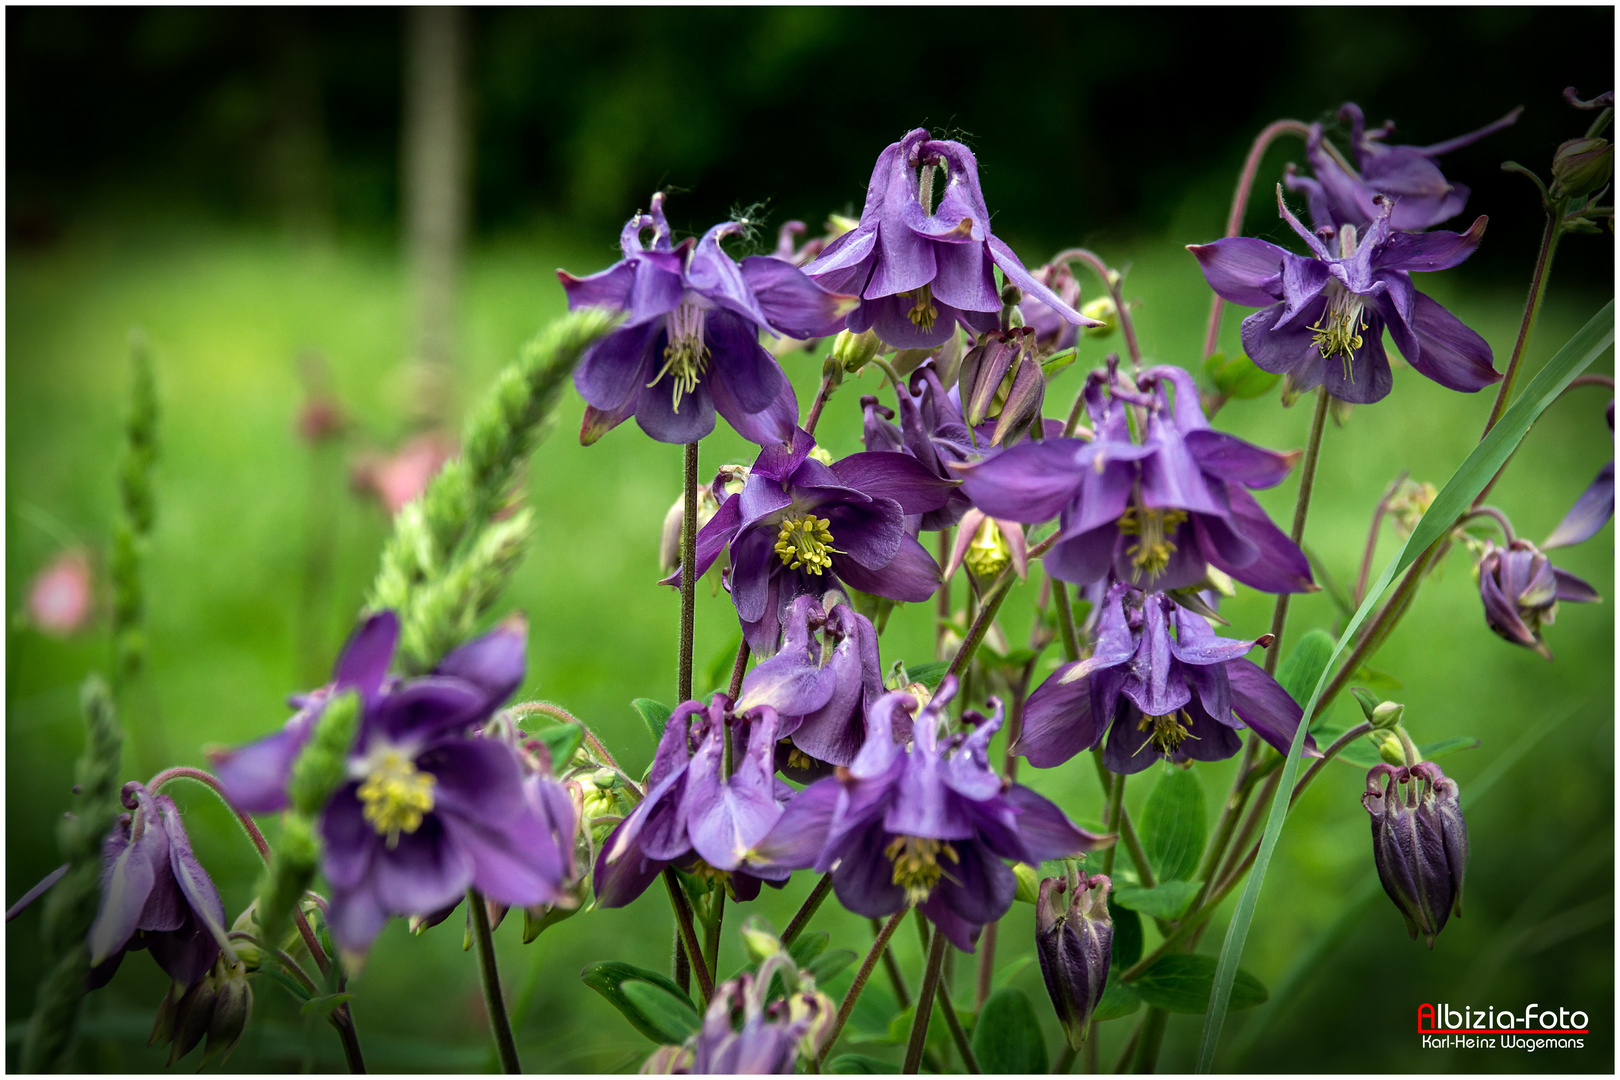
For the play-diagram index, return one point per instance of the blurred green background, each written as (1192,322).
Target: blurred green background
(228,182)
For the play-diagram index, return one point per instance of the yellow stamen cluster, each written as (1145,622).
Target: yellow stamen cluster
(1151,553)
(805,540)
(796,758)
(916,864)
(988,553)
(1167,732)
(395,795)
(709,875)
(1338,332)
(686,356)
(923,312)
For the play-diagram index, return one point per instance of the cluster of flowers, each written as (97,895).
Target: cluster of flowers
(443,793)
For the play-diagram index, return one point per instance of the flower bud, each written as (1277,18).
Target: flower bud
(1581,166)
(1390,748)
(163,1022)
(667,1060)
(1386,715)
(1104,311)
(669,541)
(1520,590)
(1053,333)
(1420,843)
(1029,883)
(1073,947)
(817,1012)
(758,939)
(232,1009)
(1409,505)
(854,350)
(192,1015)
(248,922)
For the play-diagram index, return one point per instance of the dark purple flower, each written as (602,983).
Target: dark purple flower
(154,895)
(690,345)
(1073,941)
(1160,684)
(1420,843)
(1591,511)
(1157,512)
(742,1033)
(931,430)
(1344,195)
(1053,332)
(926,825)
(820,685)
(431,808)
(697,814)
(800,527)
(919,273)
(1521,590)
(1324,317)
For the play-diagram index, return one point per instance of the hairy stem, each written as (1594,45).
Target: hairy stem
(1532,309)
(879,948)
(954,1022)
(925,1005)
(1110,281)
(500,1026)
(1372,537)
(683,920)
(892,969)
(807,910)
(738,670)
(832,375)
(1302,507)
(688,573)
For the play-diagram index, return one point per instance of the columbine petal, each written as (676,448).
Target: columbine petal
(1450,353)
(1242,270)
(1589,514)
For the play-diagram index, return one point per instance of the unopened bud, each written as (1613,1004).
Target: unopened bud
(163,1022)
(1073,946)
(1386,715)
(1581,166)
(1409,505)
(232,1009)
(1104,311)
(1029,883)
(817,1011)
(758,939)
(821,454)
(192,1015)
(1390,748)
(246,951)
(855,351)
(1420,843)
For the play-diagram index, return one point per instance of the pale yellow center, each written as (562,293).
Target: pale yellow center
(395,795)
(988,553)
(1153,548)
(1166,733)
(923,312)
(1338,332)
(805,541)
(686,356)
(916,864)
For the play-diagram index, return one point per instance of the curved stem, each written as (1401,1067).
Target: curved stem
(925,1005)
(1495,515)
(1110,280)
(830,378)
(500,1025)
(688,573)
(879,948)
(954,1022)
(211,782)
(807,910)
(1302,507)
(1240,205)
(1328,755)
(292,966)
(683,919)
(1372,537)
(738,670)
(1532,308)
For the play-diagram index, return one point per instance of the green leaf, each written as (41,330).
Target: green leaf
(1180,983)
(1006,973)
(829,964)
(655,714)
(860,1063)
(561,741)
(1173,825)
(1486,460)
(1058,361)
(287,983)
(1166,901)
(320,1006)
(1127,947)
(1433,750)
(1377,679)
(1119,999)
(929,674)
(806,947)
(608,978)
(1305,664)
(939,1032)
(1238,377)
(1007,1038)
(1363,753)
(670,1014)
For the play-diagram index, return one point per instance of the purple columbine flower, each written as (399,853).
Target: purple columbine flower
(770,1035)
(1343,194)
(1420,843)
(931,430)
(154,895)
(920,272)
(690,345)
(927,825)
(800,527)
(430,808)
(1324,317)
(1521,589)
(821,686)
(1591,511)
(1159,685)
(1157,513)
(698,814)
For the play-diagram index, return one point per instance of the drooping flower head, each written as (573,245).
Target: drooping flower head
(1521,588)
(921,269)
(931,430)
(712,794)
(821,684)
(800,527)
(1157,511)
(1073,939)
(431,807)
(1420,843)
(690,345)
(1324,316)
(154,895)
(1344,194)
(925,825)
(1160,684)
(1591,511)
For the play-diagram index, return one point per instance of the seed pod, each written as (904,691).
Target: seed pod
(1420,843)
(1073,947)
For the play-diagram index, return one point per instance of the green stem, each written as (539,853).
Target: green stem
(1065,1061)
(712,927)
(688,573)
(738,670)
(954,1022)
(1116,802)
(892,969)
(1065,620)
(1121,821)
(1147,1047)
(879,948)
(807,910)
(832,375)
(1302,507)
(500,1025)
(683,921)
(1532,309)
(925,1005)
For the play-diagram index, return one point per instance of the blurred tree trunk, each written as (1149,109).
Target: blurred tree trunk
(299,159)
(435,186)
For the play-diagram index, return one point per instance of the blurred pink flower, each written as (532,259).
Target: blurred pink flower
(61,598)
(397,478)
